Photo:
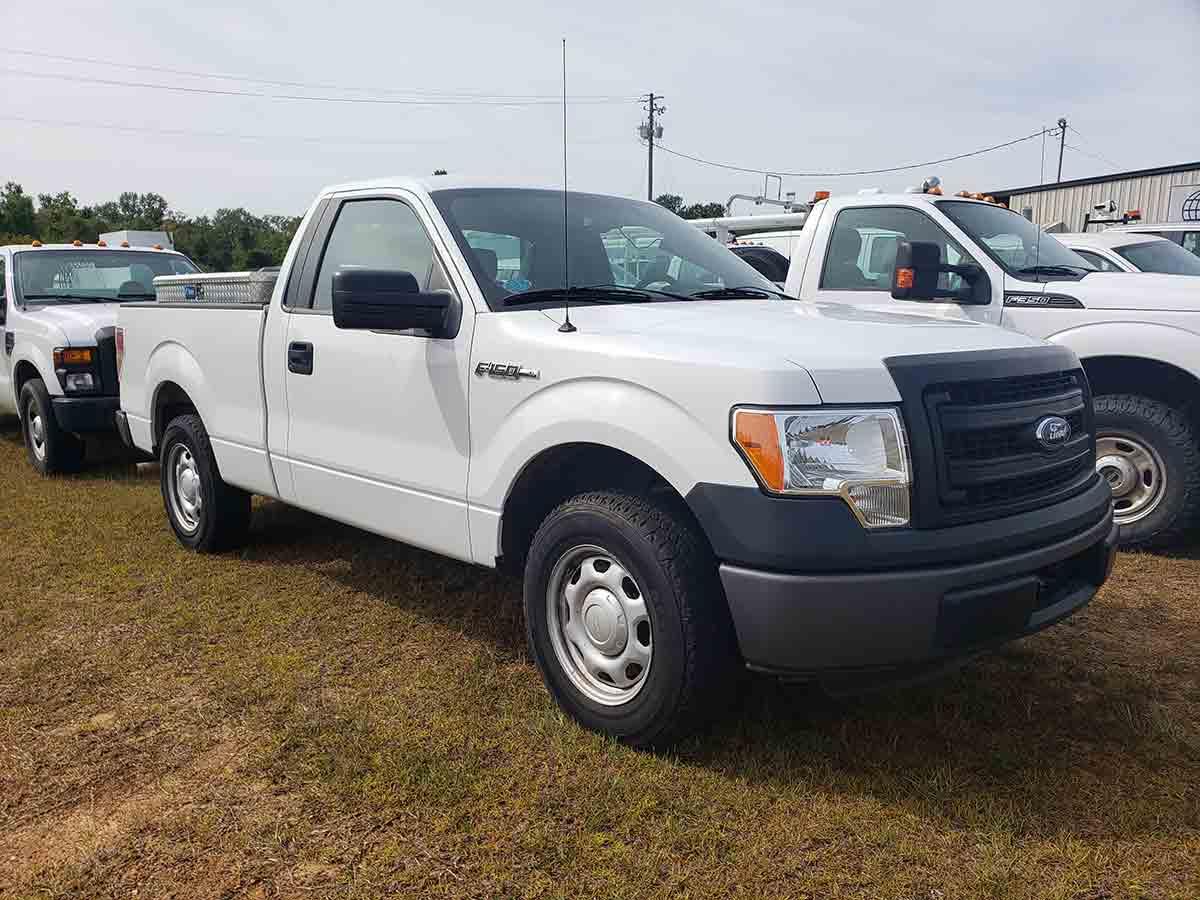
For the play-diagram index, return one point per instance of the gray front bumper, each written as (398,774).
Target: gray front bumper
(802,624)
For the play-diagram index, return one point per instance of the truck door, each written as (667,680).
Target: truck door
(860,254)
(377,421)
(8,402)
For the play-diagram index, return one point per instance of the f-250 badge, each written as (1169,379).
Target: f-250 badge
(511,371)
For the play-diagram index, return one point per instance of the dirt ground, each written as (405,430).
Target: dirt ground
(328,714)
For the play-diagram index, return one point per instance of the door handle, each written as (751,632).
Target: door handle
(300,358)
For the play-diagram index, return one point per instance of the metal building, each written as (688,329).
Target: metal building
(1161,195)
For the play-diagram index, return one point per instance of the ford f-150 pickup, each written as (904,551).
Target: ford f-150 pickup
(692,472)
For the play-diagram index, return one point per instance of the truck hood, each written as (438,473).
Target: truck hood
(77,322)
(1126,290)
(842,347)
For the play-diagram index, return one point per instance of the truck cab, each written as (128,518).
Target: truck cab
(58,315)
(1138,338)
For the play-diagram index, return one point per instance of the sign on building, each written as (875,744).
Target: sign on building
(1183,203)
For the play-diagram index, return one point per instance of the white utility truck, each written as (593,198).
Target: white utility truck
(691,472)
(58,310)
(1138,338)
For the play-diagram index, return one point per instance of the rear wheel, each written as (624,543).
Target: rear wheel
(627,620)
(1148,454)
(51,450)
(205,513)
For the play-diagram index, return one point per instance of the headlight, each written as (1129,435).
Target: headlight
(79,381)
(860,455)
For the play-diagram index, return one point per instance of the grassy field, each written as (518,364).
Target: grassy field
(328,714)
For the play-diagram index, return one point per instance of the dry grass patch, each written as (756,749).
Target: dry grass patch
(328,714)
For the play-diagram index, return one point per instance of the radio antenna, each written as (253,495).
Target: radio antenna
(566,326)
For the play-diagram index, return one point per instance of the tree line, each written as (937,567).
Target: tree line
(229,240)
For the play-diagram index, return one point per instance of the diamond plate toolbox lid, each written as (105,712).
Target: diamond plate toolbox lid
(236,288)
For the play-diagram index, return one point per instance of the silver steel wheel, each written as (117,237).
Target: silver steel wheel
(183,488)
(1134,471)
(599,625)
(37,432)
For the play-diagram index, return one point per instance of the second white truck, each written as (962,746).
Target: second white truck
(691,473)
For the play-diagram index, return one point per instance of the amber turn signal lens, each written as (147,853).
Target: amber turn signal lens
(73,356)
(77,243)
(820,195)
(904,279)
(758,436)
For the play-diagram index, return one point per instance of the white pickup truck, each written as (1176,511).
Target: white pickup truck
(58,310)
(1138,338)
(691,472)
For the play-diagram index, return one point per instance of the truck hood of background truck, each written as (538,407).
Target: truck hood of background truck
(842,347)
(1145,291)
(78,322)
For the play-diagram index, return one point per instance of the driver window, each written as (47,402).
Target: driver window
(862,248)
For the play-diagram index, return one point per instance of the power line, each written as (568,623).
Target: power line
(302,97)
(142,67)
(903,168)
(233,135)
(1096,156)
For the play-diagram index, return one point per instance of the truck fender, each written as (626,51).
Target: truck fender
(171,362)
(27,353)
(605,411)
(1144,340)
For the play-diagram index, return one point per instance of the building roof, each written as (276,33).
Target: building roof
(1099,179)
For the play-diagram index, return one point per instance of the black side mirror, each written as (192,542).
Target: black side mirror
(918,265)
(387,300)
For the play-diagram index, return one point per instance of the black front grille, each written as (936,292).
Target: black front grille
(991,461)
(972,419)
(106,350)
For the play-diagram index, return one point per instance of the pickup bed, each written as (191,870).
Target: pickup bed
(690,472)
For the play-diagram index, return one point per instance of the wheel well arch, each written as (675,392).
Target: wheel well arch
(1151,378)
(562,471)
(23,372)
(170,400)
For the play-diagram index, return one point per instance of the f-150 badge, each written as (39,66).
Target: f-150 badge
(511,371)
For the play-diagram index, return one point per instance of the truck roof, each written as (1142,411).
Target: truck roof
(430,183)
(17,248)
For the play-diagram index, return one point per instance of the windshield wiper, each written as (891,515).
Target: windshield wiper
(1054,270)
(86,298)
(596,293)
(749,292)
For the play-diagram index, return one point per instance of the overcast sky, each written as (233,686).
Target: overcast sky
(764,84)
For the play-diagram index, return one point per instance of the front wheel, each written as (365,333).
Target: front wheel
(626,618)
(1148,454)
(51,450)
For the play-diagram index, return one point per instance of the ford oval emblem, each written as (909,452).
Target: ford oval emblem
(1052,432)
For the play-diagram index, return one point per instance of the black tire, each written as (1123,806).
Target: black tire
(222,518)
(694,671)
(1170,435)
(56,452)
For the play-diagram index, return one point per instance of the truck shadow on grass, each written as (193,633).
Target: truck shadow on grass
(1078,730)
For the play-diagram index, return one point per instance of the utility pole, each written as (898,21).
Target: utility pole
(649,131)
(1062,133)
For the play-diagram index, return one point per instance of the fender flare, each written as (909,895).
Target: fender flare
(1167,344)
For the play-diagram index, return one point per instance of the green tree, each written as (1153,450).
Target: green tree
(16,212)
(673,202)
(702,211)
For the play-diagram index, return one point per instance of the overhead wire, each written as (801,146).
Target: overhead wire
(385,101)
(322,86)
(879,171)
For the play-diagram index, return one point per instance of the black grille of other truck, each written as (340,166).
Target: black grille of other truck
(106,351)
(972,430)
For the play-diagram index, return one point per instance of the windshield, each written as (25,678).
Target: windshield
(1012,240)
(1166,257)
(96,276)
(513,241)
